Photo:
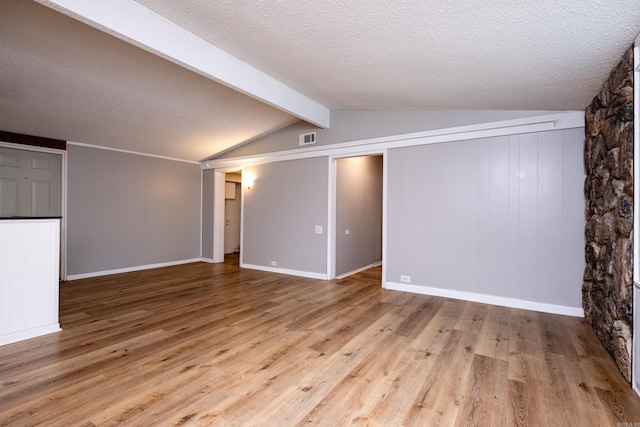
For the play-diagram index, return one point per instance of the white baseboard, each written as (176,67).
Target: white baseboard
(375,264)
(29,333)
(487,299)
(130,269)
(306,274)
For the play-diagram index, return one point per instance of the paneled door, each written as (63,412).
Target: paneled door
(30,183)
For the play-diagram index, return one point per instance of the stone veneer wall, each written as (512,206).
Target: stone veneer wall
(607,296)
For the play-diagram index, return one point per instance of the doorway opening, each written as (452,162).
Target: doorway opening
(232,216)
(358,211)
(227,214)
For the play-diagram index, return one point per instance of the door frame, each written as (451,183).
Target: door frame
(219,177)
(63,196)
(332,216)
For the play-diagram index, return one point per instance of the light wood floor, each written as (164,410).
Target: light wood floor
(203,344)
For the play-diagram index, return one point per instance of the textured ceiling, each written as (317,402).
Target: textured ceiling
(60,78)
(425,54)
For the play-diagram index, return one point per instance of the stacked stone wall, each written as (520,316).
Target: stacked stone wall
(608,278)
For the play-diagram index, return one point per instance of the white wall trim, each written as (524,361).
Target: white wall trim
(219,179)
(564,120)
(201,208)
(81,144)
(29,333)
(307,274)
(130,269)
(385,186)
(358,270)
(332,217)
(242,190)
(487,299)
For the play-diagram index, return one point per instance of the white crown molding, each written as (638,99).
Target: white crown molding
(137,153)
(563,120)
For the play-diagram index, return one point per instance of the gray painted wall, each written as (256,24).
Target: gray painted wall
(499,216)
(287,200)
(127,210)
(207,213)
(355,125)
(359,210)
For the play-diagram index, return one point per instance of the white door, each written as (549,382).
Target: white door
(30,183)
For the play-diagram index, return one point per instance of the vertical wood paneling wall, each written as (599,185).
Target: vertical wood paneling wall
(29,264)
(501,217)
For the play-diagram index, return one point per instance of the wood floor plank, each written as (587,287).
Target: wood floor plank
(302,397)
(442,392)
(525,409)
(472,318)
(485,394)
(213,344)
(494,334)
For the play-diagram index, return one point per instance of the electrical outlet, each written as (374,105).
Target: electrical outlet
(405,279)
(274,264)
(346,232)
(318,229)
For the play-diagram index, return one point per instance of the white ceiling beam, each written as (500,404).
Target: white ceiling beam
(135,24)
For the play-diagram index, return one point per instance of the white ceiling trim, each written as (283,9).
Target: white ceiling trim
(137,153)
(558,121)
(147,30)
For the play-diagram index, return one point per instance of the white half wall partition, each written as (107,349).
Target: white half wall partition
(29,288)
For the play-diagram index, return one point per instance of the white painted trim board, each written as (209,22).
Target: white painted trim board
(130,269)
(29,333)
(306,274)
(565,120)
(487,299)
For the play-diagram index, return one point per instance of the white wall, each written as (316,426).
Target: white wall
(501,216)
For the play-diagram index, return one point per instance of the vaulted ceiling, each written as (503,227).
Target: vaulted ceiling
(191,78)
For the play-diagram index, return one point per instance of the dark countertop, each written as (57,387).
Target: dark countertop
(28,217)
